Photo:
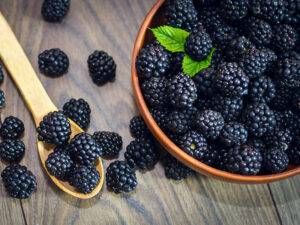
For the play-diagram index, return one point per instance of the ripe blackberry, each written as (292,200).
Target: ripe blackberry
(55,128)
(198,45)
(289,73)
(234,10)
(12,128)
(181,14)
(182,91)
(285,38)
(12,151)
(261,89)
(110,142)
(102,67)
(55,10)
(210,123)
(275,160)
(53,62)
(204,81)
(258,119)
(85,179)
(203,103)
(294,153)
(231,80)
(160,117)
(234,133)
(244,160)
(18,181)
(79,111)
(282,99)
(59,164)
(176,63)
(1,75)
(2,99)
(278,138)
(138,127)
(222,34)
(120,177)
(85,149)
(141,153)
(210,17)
(174,169)
(194,144)
(258,144)
(238,47)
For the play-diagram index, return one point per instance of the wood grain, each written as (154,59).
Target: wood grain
(112,25)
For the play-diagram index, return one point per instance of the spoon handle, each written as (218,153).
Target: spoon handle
(22,72)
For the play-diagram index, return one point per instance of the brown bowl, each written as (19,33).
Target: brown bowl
(153,19)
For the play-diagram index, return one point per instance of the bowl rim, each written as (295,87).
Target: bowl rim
(173,149)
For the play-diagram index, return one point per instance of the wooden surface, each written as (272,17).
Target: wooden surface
(112,25)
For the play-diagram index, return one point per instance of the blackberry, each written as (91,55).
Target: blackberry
(2,99)
(234,10)
(204,81)
(12,151)
(289,73)
(294,153)
(278,138)
(261,89)
(85,179)
(160,117)
(244,160)
(234,133)
(275,160)
(258,119)
(1,75)
(198,45)
(141,153)
(110,142)
(203,103)
(238,47)
(285,38)
(120,177)
(210,123)
(282,99)
(194,144)
(59,164)
(12,128)
(155,91)
(53,62)
(231,80)
(18,181)
(85,149)
(257,143)
(210,17)
(176,62)
(102,67)
(182,91)
(284,119)
(222,34)
(55,128)
(138,127)
(174,169)
(55,10)
(79,111)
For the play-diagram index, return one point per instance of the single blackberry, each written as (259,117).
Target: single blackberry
(160,116)
(155,91)
(12,128)
(294,153)
(102,67)
(275,160)
(55,10)
(79,111)
(174,169)
(278,138)
(141,153)
(18,181)
(285,38)
(194,144)
(2,99)
(238,47)
(234,10)
(59,164)
(288,73)
(181,14)
(258,144)
(120,177)
(210,17)
(198,45)
(282,99)
(204,81)
(231,80)
(234,133)
(176,63)
(244,160)
(222,34)
(138,127)
(53,62)
(261,89)
(110,142)
(210,123)
(258,119)
(85,179)
(1,75)
(55,128)
(12,151)
(203,103)
(85,149)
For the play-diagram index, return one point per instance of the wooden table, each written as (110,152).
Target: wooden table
(112,25)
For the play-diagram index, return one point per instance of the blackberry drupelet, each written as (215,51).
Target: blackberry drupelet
(261,89)
(174,169)
(231,80)
(79,111)
(234,133)
(278,138)
(258,144)
(12,151)
(285,38)
(55,128)
(18,181)
(1,75)
(294,152)
(12,128)
(53,62)
(102,67)
(138,127)
(282,99)
(59,164)
(120,177)
(110,142)
(244,160)
(275,160)
(160,116)
(210,123)
(234,10)
(238,47)
(2,99)
(55,10)
(204,81)
(288,73)
(85,179)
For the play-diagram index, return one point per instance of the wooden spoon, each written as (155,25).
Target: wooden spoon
(39,103)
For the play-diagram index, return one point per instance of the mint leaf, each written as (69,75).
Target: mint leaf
(171,38)
(192,67)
